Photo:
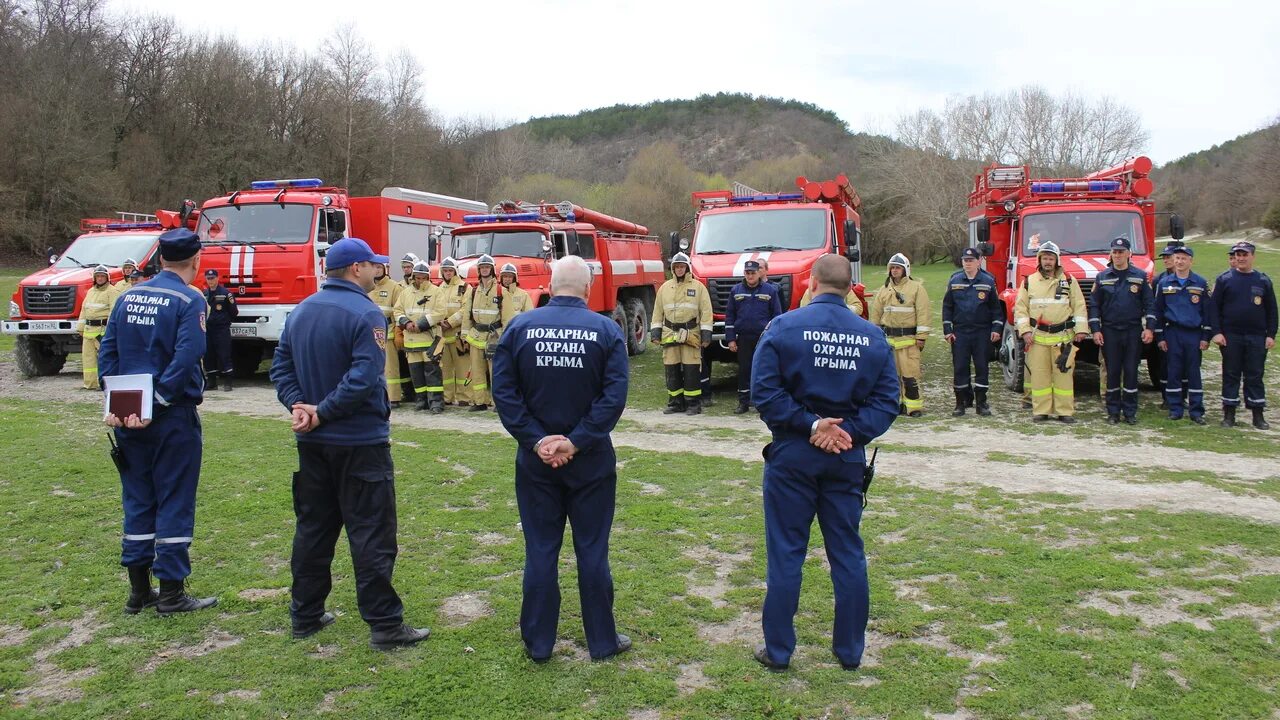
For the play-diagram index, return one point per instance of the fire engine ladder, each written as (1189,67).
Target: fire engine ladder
(742,189)
(133,217)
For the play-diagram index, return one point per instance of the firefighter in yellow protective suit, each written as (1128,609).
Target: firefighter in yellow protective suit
(416,318)
(94,312)
(450,300)
(385,294)
(1051,315)
(901,308)
(852,301)
(397,345)
(128,267)
(490,307)
(682,325)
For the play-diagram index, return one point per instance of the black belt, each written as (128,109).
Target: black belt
(899,332)
(488,327)
(1045,327)
(680,326)
(95,323)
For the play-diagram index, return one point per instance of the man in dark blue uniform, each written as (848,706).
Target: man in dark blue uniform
(329,372)
(158,329)
(1183,320)
(1244,303)
(824,382)
(752,304)
(972,319)
(222,310)
(1122,320)
(559,385)
(1160,359)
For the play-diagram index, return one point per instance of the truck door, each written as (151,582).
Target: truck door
(331,227)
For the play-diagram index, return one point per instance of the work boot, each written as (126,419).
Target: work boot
(226,382)
(435,401)
(902,408)
(980,399)
(695,407)
(1258,421)
(762,656)
(960,404)
(1131,419)
(421,403)
(403,636)
(1197,419)
(707,399)
(675,405)
(141,594)
(624,644)
(1228,416)
(916,413)
(478,408)
(302,632)
(968,398)
(211,381)
(1113,419)
(174,599)
(1068,419)
(1039,418)
(743,406)
(1026,404)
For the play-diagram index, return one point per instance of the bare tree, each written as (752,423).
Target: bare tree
(352,66)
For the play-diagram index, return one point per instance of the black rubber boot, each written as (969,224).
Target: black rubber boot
(174,599)
(421,403)
(478,408)
(980,400)
(960,404)
(1228,416)
(743,404)
(435,400)
(141,594)
(211,381)
(226,382)
(1259,421)
(694,407)
(675,383)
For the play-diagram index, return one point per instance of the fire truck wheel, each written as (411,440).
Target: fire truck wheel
(638,322)
(36,358)
(1010,357)
(619,316)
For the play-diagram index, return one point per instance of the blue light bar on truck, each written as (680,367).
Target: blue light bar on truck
(511,217)
(1076,186)
(133,226)
(765,198)
(294,183)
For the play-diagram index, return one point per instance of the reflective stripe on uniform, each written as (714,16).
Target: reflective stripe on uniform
(1051,339)
(1063,392)
(172,540)
(897,343)
(147,536)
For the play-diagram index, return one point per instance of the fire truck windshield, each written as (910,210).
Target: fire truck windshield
(1084,232)
(107,249)
(764,229)
(517,243)
(256,223)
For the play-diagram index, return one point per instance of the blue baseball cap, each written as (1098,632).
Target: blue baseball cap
(751,266)
(349,251)
(179,244)
(1242,247)
(1182,249)
(211,273)
(970,253)
(1121,243)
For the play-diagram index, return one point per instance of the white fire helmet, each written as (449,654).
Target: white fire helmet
(510,268)
(680,258)
(485,260)
(449,264)
(102,270)
(421,268)
(901,261)
(409,259)
(1049,247)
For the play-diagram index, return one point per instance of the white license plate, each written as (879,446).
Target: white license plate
(244,331)
(42,325)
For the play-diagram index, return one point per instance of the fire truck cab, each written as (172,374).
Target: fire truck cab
(625,260)
(789,230)
(268,244)
(1011,215)
(44,311)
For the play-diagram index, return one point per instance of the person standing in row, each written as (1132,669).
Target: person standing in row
(1183,326)
(901,309)
(386,295)
(127,268)
(481,319)
(407,395)
(159,330)
(1244,315)
(94,312)
(972,319)
(560,400)
(450,300)
(682,324)
(752,304)
(1051,316)
(417,322)
(328,372)
(222,311)
(1122,320)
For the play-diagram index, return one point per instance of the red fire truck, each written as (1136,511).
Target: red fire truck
(44,311)
(789,230)
(624,258)
(1010,214)
(268,243)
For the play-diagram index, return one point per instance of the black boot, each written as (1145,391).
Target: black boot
(960,404)
(421,402)
(173,599)
(479,408)
(968,397)
(211,381)
(403,636)
(675,405)
(435,401)
(695,406)
(141,594)
(743,404)
(1258,421)
(980,399)
(1228,416)
(226,382)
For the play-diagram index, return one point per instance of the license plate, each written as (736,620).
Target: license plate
(244,331)
(42,325)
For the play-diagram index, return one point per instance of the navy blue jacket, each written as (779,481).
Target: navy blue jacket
(331,355)
(749,309)
(823,361)
(1120,300)
(222,305)
(562,370)
(972,305)
(157,329)
(1244,304)
(1183,304)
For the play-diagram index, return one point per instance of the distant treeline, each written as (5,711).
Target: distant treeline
(1227,187)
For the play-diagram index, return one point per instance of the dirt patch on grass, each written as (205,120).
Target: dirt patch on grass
(691,679)
(722,565)
(330,702)
(741,630)
(935,639)
(51,683)
(915,590)
(217,640)
(11,635)
(259,594)
(1168,610)
(491,538)
(245,695)
(466,608)
(644,714)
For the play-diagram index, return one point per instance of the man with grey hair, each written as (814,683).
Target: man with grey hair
(560,377)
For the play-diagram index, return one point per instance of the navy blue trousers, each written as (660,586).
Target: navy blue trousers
(801,482)
(972,347)
(162,469)
(1184,362)
(1244,355)
(746,354)
(1122,349)
(217,354)
(546,498)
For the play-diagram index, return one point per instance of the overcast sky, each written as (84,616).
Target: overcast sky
(1199,73)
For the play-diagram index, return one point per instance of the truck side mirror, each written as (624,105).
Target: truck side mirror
(1176,228)
(983,232)
(853,253)
(53,257)
(986,248)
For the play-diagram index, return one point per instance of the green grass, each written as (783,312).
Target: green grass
(1005,606)
(9,278)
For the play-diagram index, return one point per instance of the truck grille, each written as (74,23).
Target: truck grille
(721,288)
(1086,289)
(49,300)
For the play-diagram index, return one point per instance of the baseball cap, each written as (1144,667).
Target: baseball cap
(970,252)
(1242,247)
(211,273)
(349,251)
(1121,243)
(751,265)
